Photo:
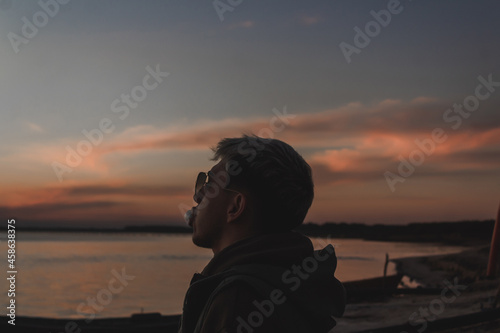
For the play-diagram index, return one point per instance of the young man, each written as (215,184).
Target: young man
(263,277)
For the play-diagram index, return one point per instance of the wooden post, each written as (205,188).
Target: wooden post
(495,248)
(497,298)
(385,269)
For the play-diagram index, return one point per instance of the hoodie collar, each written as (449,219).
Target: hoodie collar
(280,249)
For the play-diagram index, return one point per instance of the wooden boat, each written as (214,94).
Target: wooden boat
(373,286)
(487,320)
(361,290)
(376,283)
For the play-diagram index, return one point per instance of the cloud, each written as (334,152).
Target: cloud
(342,125)
(86,204)
(242,25)
(79,193)
(309,20)
(99,213)
(198,136)
(53,209)
(35,127)
(126,190)
(355,142)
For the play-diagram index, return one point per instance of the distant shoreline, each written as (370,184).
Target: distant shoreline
(469,233)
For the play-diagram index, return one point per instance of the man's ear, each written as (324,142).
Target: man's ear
(236,207)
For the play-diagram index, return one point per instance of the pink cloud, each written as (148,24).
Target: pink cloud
(354,143)
(309,20)
(377,133)
(243,24)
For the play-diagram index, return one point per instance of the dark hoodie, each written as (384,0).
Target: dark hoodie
(267,283)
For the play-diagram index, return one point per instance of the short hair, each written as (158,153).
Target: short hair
(276,176)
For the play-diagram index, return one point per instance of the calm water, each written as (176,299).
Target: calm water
(59,274)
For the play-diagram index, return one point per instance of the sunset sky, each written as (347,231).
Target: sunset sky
(155,84)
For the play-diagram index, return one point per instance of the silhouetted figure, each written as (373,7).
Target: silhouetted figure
(263,277)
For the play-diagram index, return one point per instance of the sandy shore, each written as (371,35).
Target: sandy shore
(458,289)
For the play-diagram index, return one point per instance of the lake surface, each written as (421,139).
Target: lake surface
(77,275)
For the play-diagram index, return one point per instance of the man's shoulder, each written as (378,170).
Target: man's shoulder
(233,304)
(242,282)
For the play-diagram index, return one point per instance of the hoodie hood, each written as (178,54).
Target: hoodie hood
(288,261)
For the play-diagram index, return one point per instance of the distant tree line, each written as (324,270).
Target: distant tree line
(459,233)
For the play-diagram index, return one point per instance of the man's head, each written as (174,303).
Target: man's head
(258,186)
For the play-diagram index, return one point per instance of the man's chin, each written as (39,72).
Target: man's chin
(200,242)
